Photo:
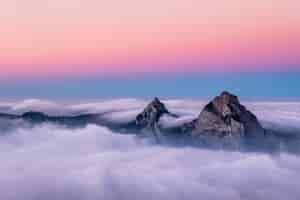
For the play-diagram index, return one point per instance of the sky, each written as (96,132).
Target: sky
(74,48)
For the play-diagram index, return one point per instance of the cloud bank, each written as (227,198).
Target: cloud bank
(49,162)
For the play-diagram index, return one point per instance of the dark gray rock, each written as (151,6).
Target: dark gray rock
(151,114)
(148,119)
(224,116)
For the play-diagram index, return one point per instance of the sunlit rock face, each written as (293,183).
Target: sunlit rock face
(224,116)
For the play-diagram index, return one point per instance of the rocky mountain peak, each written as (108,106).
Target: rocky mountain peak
(156,99)
(224,104)
(158,105)
(151,113)
(224,115)
(228,98)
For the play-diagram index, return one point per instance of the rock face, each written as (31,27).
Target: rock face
(147,121)
(151,114)
(225,116)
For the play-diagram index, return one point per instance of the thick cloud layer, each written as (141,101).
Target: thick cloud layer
(70,108)
(49,162)
(93,163)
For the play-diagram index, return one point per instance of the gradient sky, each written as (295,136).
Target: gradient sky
(63,43)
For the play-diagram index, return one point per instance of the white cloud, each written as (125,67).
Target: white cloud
(107,106)
(36,105)
(283,115)
(49,162)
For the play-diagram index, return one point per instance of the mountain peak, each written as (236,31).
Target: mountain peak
(226,98)
(151,114)
(224,115)
(158,105)
(156,99)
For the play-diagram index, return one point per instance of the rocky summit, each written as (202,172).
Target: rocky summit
(225,116)
(151,114)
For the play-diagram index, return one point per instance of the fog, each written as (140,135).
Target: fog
(50,162)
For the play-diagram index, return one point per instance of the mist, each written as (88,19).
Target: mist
(52,162)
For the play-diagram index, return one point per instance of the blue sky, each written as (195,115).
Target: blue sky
(275,85)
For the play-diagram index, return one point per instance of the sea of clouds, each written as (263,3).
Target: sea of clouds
(54,163)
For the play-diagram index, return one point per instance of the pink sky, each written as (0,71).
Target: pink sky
(66,37)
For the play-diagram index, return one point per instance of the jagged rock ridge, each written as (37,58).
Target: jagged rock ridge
(151,114)
(147,121)
(225,116)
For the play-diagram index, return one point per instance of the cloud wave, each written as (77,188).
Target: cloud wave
(50,162)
